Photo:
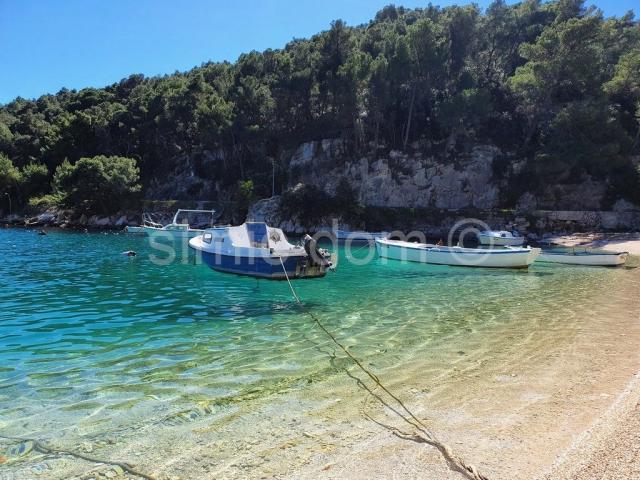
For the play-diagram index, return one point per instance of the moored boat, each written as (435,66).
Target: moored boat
(593,258)
(257,250)
(175,229)
(357,235)
(511,257)
(135,230)
(500,238)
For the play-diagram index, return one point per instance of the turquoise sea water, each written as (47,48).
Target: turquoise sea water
(93,338)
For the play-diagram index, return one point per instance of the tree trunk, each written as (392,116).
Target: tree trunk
(531,128)
(451,141)
(239,155)
(406,132)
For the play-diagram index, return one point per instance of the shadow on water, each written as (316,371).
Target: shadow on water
(463,272)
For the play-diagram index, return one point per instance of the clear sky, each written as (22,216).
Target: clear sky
(49,44)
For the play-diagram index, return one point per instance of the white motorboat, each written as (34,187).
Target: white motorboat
(500,238)
(175,229)
(594,258)
(357,235)
(258,250)
(510,257)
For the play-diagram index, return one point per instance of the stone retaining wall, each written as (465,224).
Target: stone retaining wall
(586,220)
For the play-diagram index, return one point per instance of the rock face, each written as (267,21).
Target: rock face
(587,195)
(193,179)
(450,188)
(268,210)
(265,210)
(395,179)
(401,180)
(438,226)
(69,219)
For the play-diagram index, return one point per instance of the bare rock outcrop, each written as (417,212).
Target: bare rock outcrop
(399,179)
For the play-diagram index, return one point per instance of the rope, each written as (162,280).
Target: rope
(369,244)
(37,445)
(450,456)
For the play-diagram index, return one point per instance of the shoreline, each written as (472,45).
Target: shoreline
(623,241)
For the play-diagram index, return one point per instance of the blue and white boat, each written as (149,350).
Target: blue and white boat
(257,250)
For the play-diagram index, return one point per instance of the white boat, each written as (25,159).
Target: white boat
(500,238)
(594,258)
(258,250)
(175,229)
(510,257)
(135,230)
(357,235)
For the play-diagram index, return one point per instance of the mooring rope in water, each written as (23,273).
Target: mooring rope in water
(453,459)
(40,447)
(369,244)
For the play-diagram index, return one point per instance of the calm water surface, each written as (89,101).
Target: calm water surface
(90,337)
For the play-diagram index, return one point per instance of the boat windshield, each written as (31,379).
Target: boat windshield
(257,233)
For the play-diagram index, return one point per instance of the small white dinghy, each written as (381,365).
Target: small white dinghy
(500,238)
(357,235)
(594,258)
(134,230)
(510,257)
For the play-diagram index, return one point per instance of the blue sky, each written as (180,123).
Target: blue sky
(49,44)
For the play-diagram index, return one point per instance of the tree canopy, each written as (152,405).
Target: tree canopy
(97,184)
(554,83)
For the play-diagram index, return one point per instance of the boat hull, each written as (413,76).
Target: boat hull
(456,256)
(588,259)
(168,233)
(263,267)
(135,230)
(357,236)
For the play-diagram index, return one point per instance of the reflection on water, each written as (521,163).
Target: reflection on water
(95,342)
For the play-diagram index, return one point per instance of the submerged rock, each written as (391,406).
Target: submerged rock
(20,449)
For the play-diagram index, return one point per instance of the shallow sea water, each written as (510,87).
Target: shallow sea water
(95,345)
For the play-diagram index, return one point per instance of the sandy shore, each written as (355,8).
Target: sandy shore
(615,242)
(610,449)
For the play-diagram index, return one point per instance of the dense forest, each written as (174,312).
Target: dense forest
(554,83)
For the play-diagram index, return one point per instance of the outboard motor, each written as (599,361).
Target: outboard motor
(317,256)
